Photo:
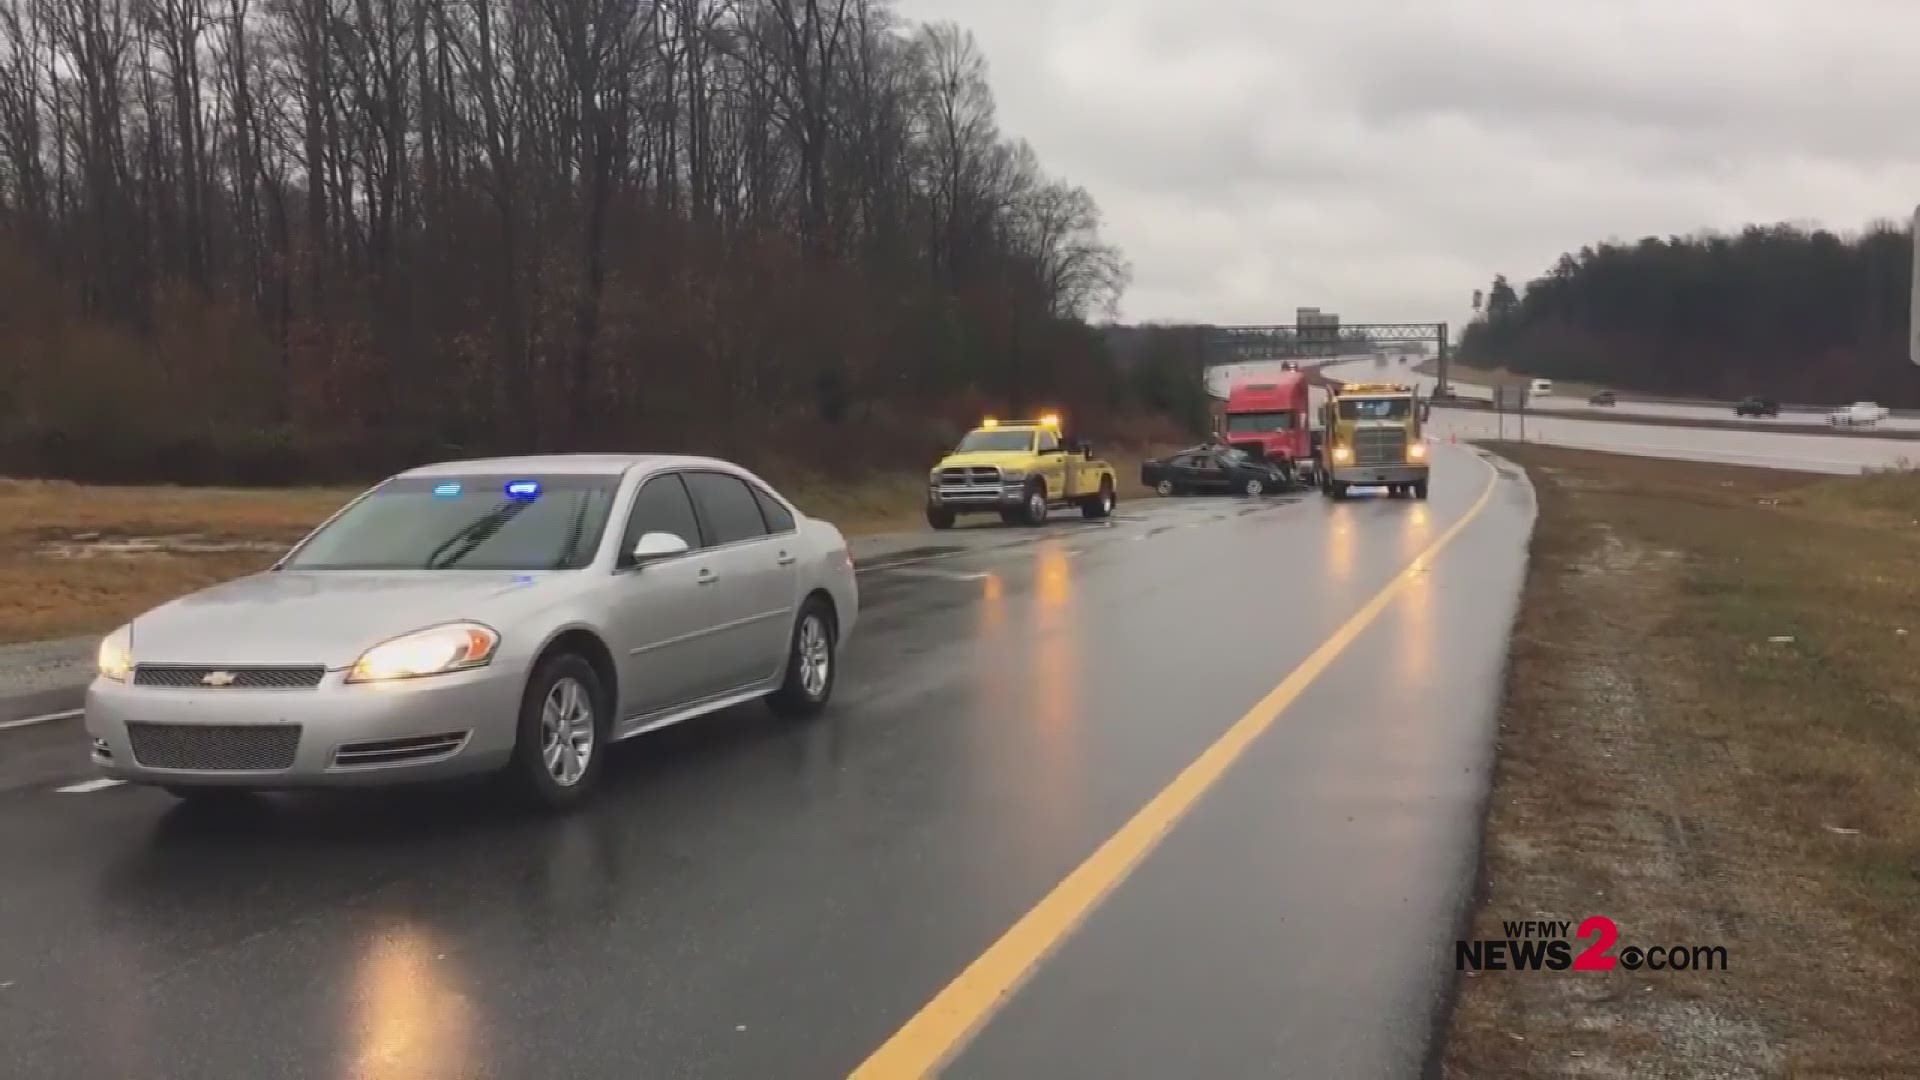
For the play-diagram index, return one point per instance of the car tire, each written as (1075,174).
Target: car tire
(562,733)
(940,517)
(1419,489)
(1337,490)
(813,662)
(1164,487)
(1034,511)
(1101,503)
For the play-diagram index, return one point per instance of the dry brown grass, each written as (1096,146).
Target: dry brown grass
(46,596)
(1666,764)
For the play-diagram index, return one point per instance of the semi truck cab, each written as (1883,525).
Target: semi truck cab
(1373,437)
(1270,420)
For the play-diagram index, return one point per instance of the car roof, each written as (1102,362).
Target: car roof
(568,464)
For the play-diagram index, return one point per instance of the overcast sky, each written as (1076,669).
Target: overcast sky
(1383,158)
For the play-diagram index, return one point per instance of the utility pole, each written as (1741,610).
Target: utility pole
(1913,306)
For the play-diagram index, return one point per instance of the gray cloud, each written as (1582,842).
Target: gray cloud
(1383,158)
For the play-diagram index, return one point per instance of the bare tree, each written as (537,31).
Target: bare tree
(394,227)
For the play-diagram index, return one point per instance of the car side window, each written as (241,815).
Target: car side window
(728,511)
(1049,441)
(779,519)
(661,505)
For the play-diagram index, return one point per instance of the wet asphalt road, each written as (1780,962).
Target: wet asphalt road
(753,899)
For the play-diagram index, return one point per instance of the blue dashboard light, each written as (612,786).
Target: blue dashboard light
(523,489)
(447,491)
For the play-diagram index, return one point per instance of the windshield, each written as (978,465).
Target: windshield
(466,523)
(1243,423)
(1391,408)
(996,439)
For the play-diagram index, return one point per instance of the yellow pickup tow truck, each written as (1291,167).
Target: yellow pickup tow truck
(1372,438)
(1022,469)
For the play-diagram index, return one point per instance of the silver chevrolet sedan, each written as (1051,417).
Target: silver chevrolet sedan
(512,615)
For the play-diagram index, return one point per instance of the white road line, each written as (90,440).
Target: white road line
(85,786)
(48,718)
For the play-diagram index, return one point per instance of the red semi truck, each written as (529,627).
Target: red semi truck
(1269,419)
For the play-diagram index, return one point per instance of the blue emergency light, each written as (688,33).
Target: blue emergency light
(447,491)
(523,489)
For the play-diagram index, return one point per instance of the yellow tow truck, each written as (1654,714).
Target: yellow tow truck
(1022,469)
(1372,437)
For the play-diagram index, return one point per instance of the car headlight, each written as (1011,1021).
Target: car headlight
(115,659)
(1417,451)
(433,651)
(1341,453)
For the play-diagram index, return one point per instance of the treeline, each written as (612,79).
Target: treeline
(261,240)
(1801,315)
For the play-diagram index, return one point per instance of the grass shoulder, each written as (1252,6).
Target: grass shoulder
(1708,736)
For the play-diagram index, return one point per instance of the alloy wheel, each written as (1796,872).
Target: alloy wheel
(567,732)
(816,656)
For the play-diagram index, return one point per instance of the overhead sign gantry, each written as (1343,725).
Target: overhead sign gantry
(1277,342)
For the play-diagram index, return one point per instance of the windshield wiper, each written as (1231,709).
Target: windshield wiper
(461,544)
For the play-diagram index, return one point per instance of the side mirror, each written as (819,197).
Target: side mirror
(657,545)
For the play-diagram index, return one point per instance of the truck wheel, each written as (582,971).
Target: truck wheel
(939,517)
(1164,487)
(1100,504)
(1419,489)
(1337,490)
(1035,510)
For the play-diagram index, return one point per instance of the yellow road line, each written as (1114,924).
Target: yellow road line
(943,1026)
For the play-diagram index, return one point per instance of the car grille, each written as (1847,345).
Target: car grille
(1379,446)
(970,478)
(215,747)
(244,678)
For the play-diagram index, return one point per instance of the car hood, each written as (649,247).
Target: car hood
(321,617)
(1004,459)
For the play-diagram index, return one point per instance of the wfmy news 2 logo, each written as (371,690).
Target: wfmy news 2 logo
(1537,944)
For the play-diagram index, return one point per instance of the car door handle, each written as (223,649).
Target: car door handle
(786,559)
(707,577)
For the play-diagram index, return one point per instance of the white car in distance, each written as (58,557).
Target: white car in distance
(1858,414)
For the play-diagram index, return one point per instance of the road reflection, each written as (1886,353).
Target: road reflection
(1414,657)
(1340,545)
(410,1024)
(1054,708)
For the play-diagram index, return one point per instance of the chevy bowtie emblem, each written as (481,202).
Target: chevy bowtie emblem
(218,678)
